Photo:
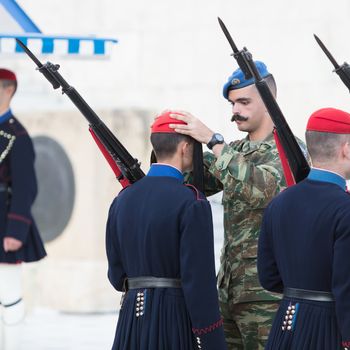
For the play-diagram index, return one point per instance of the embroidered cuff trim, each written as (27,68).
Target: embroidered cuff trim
(212,327)
(19,218)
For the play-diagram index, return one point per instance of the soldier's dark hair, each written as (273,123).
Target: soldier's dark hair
(165,144)
(271,83)
(323,146)
(7,83)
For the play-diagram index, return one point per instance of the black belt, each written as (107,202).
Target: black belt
(314,295)
(152,282)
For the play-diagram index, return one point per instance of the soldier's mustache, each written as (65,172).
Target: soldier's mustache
(238,117)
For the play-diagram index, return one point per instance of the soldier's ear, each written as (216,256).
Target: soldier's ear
(187,150)
(346,150)
(182,147)
(10,91)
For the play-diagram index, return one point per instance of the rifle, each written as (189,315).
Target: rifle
(343,71)
(295,157)
(126,168)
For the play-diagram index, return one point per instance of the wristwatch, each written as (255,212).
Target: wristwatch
(216,139)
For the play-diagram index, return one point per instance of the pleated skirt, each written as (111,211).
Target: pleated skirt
(154,319)
(304,325)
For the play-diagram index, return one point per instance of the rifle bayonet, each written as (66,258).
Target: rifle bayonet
(228,36)
(238,55)
(343,71)
(326,51)
(45,69)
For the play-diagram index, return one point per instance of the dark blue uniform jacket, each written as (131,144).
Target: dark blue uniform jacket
(305,243)
(162,228)
(18,191)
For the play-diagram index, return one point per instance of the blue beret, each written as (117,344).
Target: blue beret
(238,81)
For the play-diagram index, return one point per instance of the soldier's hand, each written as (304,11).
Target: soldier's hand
(12,244)
(194,128)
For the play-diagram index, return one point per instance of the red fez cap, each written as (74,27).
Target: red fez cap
(329,120)
(6,74)
(161,124)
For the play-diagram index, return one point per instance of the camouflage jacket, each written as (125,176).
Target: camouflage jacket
(250,175)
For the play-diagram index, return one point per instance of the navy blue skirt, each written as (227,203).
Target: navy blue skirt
(304,325)
(154,319)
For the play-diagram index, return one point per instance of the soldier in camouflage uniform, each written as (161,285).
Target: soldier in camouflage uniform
(250,174)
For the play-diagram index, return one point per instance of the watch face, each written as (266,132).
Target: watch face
(219,137)
(216,139)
